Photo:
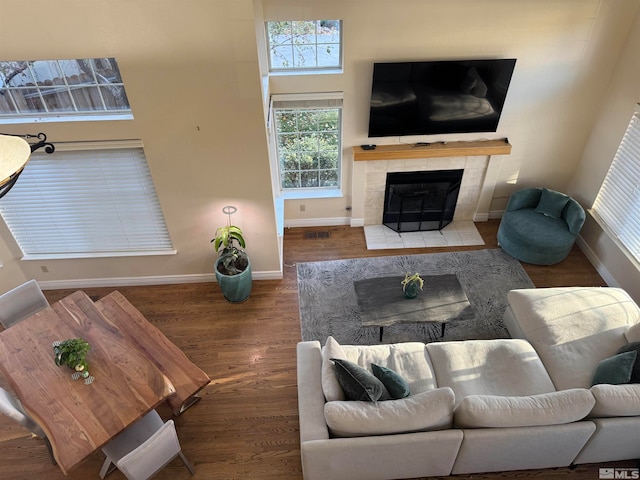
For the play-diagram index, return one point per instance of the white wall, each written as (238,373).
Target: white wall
(613,117)
(192,78)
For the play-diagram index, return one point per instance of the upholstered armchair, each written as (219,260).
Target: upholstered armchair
(540,226)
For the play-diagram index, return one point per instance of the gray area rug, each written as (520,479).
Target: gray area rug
(328,304)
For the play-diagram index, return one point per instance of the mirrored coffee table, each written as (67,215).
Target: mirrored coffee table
(381,302)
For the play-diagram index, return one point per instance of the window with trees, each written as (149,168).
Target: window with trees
(308,134)
(81,89)
(304,45)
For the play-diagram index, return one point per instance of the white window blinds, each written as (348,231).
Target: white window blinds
(86,203)
(618,202)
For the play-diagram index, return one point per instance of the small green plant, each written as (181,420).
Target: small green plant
(409,278)
(234,259)
(72,353)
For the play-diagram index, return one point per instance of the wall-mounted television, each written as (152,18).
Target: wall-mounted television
(438,97)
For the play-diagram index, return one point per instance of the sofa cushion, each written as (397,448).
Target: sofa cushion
(551,203)
(489,367)
(330,385)
(431,410)
(632,347)
(615,370)
(410,360)
(616,400)
(394,383)
(486,411)
(357,383)
(573,328)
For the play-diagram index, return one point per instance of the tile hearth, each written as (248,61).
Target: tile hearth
(456,234)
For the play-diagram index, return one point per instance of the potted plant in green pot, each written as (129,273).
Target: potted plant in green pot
(233,266)
(412,284)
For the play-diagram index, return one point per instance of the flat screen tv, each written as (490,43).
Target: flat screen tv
(438,97)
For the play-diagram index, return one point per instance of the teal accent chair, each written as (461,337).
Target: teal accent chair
(540,226)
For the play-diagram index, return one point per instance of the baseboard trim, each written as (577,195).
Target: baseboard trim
(595,261)
(317,222)
(145,281)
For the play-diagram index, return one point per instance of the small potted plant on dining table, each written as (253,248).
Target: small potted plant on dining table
(72,353)
(411,284)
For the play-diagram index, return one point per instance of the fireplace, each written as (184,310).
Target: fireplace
(421,201)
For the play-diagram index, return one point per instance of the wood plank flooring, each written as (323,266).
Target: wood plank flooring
(246,425)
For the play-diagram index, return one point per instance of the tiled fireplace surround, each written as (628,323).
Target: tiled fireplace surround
(470,189)
(460,232)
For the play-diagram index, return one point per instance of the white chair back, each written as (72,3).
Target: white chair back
(144,449)
(12,408)
(21,302)
(150,457)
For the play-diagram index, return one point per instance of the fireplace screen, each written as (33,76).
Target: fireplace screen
(421,201)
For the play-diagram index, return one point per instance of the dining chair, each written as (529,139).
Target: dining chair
(144,449)
(12,408)
(21,302)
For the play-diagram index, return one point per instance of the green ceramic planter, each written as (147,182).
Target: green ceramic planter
(235,288)
(411,289)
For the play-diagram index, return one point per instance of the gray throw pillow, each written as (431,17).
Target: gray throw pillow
(615,370)
(392,380)
(632,347)
(357,383)
(551,203)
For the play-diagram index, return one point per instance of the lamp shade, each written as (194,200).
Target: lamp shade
(14,155)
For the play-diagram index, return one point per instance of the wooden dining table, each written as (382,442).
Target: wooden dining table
(135,368)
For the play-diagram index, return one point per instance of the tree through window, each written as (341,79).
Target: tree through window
(308,136)
(304,45)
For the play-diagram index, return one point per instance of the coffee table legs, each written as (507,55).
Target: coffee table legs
(443,325)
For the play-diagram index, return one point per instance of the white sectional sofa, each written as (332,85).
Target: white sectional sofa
(480,405)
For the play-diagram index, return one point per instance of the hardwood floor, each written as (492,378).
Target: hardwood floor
(246,425)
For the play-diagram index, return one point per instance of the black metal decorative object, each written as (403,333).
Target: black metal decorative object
(40,142)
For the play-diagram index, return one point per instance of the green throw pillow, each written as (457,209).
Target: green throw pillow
(632,347)
(357,383)
(615,370)
(551,203)
(395,384)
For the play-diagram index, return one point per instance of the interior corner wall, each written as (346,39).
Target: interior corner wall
(622,94)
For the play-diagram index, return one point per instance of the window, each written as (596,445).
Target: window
(308,134)
(304,45)
(86,203)
(53,89)
(617,205)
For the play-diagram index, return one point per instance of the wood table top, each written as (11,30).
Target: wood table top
(130,377)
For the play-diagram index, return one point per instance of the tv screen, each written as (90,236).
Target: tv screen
(426,98)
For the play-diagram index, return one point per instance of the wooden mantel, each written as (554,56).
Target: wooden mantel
(433,150)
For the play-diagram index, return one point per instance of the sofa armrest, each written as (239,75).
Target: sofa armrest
(525,198)
(310,396)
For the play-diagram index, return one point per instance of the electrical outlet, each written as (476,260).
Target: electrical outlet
(302,207)
(44,268)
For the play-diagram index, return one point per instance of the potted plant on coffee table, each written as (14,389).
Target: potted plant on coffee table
(412,284)
(233,266)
